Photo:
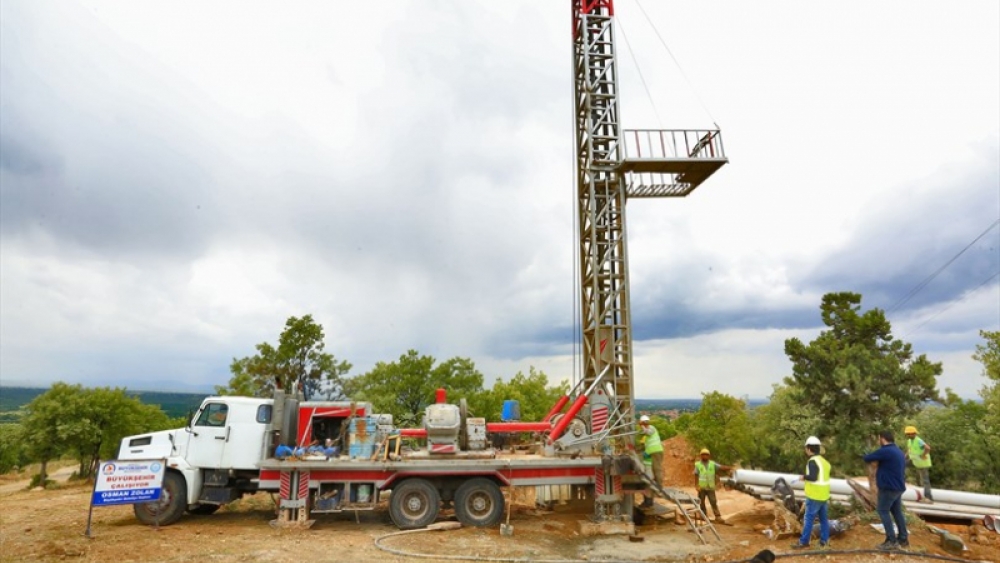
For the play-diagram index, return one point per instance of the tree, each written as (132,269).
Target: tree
(105,416)
(779,430)
(988,354)
(857,378)
(721,424)
(531,391)
(405,387)
(86,423)
(298,362)
(966,449)
(12,449)
(46,424)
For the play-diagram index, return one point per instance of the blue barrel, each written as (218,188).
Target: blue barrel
(511,411)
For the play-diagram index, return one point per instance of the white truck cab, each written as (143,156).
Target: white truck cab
(212,461)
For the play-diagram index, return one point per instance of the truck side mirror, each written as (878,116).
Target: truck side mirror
(190,425)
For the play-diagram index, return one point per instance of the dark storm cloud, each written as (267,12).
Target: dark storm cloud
(112,169)
(898,243)
(902,242)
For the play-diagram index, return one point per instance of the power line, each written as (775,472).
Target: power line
(902,301)
(641,77)
(673,58)
(952,304)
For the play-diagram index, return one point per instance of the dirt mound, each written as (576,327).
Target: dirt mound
(678,463)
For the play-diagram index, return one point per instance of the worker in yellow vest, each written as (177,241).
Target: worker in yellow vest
(817,485)
(919,454)
(654,449)
(705,476)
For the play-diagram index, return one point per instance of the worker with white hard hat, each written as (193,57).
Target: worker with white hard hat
(705,475)
(653,447)
(817,485)
(918,452)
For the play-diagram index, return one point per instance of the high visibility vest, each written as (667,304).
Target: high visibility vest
(916,449)
(820,488)
(706,474)
(653,444)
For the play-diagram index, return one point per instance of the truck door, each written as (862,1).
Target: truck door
(246,441)
(209,433)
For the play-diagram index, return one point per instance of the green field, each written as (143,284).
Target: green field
(14,399)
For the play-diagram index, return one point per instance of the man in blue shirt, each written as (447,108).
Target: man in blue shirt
(891,482)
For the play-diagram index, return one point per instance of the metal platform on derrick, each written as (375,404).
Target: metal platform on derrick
(669,162)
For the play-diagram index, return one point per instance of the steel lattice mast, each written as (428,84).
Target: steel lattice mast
(614,164)
(607,341)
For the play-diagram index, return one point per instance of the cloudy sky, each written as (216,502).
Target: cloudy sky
(178,178)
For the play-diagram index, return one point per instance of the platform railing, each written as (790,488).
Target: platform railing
(658,144)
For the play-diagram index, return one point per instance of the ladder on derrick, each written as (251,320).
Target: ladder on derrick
(684,503)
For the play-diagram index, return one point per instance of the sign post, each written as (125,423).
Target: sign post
(126,482)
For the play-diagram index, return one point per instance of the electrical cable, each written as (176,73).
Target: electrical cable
(931,277)
(789,555)
(952,304)
(638,69)
(676,63)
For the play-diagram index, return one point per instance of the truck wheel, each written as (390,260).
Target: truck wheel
(414,503)
(203,509)
(479,502)
(170,507)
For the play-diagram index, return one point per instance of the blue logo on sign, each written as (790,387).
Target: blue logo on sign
(155,468)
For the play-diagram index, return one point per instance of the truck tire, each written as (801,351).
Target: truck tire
(203,509)
(414,503)
(479,502)
(170,507)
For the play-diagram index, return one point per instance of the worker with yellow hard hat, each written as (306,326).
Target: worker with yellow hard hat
(919,454)
(705,475)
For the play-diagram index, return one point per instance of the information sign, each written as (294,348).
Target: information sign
(128,482)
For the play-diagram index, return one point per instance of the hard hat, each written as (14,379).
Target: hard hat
(813,441)
(643,418)
(910,430)
(704,451)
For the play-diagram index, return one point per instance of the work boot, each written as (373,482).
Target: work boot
(798,545)
(888,546)
(903,544)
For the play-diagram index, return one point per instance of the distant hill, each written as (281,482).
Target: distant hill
(683,405)
(13,400)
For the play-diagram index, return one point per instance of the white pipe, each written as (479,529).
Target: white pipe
(840,487)
(937,509)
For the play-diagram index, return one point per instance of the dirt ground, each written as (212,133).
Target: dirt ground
(49,525)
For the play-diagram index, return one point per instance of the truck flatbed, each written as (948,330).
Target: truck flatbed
(510,469)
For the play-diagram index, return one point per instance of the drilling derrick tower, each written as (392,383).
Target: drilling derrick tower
(613,165)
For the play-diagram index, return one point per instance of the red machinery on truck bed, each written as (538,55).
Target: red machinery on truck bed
(338,456)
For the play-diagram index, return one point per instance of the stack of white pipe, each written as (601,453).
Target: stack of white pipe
(947,503)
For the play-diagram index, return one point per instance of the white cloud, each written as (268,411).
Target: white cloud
(178,179)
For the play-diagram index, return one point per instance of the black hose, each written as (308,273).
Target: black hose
(824,552)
